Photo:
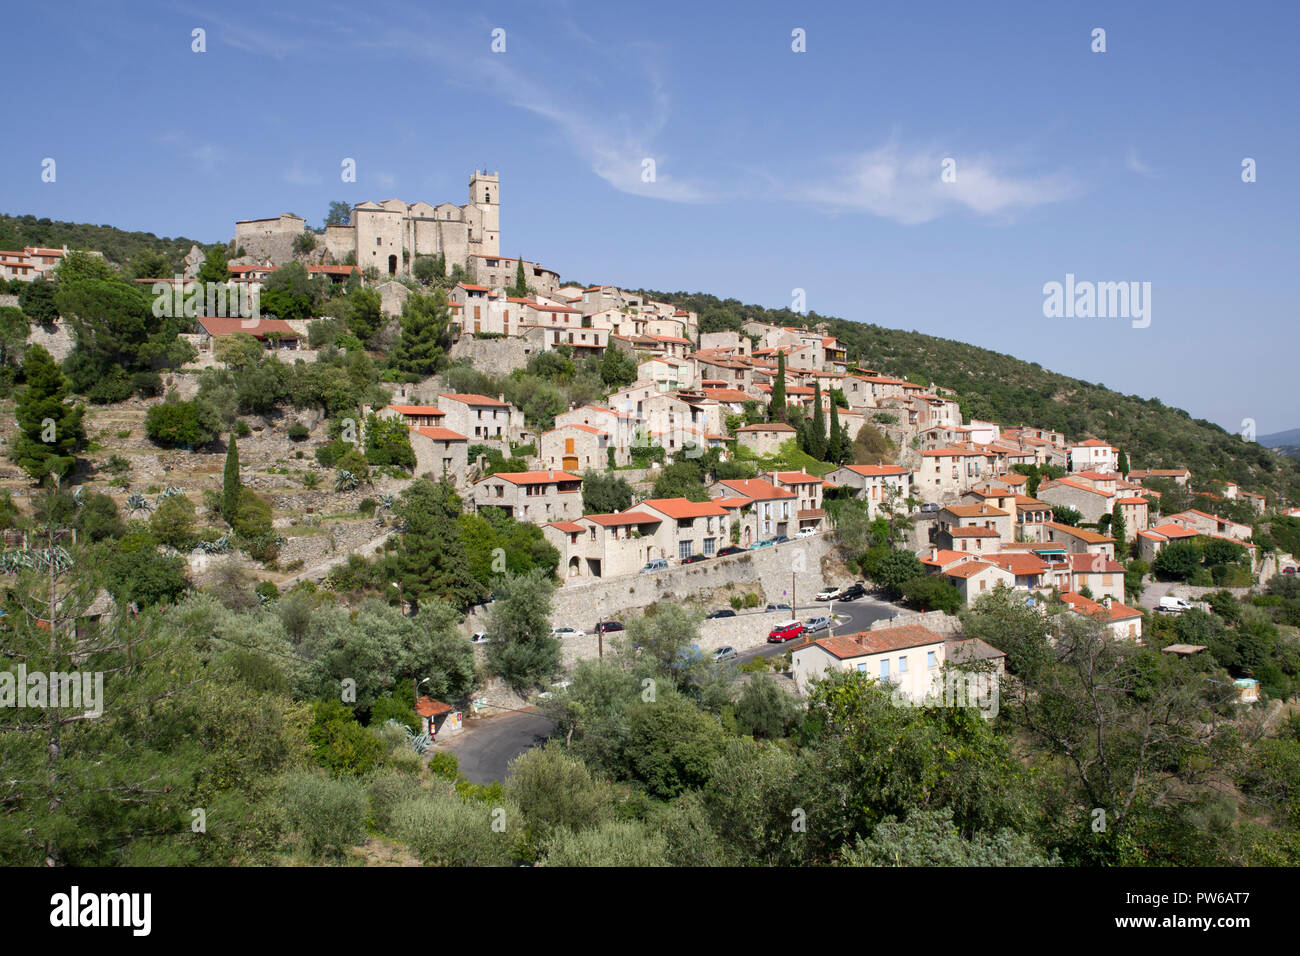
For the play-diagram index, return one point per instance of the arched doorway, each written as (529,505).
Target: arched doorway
(392,265)
(575,567)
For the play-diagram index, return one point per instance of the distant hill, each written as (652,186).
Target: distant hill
(1278,439)
(1014,392)
(117,245)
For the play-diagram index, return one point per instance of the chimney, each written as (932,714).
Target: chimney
(934,553)
(1105,602)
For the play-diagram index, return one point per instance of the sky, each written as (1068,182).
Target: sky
(824,169)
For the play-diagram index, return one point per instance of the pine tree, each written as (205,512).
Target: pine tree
(818,444)
(421,349)
(777,411)
(50,431)
(230,485)
(1119,530)
(521,284)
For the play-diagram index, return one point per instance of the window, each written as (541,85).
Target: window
(862,667)
(929,659)
(884,669)
(902,665)
(710,545)
(684,548)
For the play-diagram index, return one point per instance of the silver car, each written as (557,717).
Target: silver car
(819,623)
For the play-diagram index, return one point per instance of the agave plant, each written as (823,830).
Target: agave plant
(346,481)
(137,502)
(171,491)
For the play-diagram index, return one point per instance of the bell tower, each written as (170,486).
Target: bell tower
(485,196)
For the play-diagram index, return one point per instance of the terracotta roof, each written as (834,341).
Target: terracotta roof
(428,707)
(975,511)
(768,427)
(945,556)
(1083,605)
(533,477)
(585,428)
(625,517)
(568,526)
(1091,537)
(469,398)
(796,477)
(680,508)
(1018,563)
(418,409)
(871,471)
(882,641)
(972,533)
(969,569)
(440,434)
(756,488)
(1093,564)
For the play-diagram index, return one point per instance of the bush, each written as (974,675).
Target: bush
(340,744)
(173,522)
(445,765)
(387,790)
(253,515)
(147,384)
(613,843)
(328,815)
(241,429)
(180,424)
(443,830)
(298,431)
(366,507)
(116,386)
(267,591)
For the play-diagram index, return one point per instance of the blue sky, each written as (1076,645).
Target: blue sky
(775,170)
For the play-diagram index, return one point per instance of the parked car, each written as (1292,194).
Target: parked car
(785,631)
(780,607)
(929,508)
(721,612)
(1288,570)
(819,623)
(563,631)
(780,539)
(765,543)
(695,559)
(829,594)
(479,637)
(806,532)
(853,592)
(730,550)
(724,654)
(604,627)
(658,564)
(1173,605)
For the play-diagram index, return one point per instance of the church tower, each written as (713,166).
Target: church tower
(485,196)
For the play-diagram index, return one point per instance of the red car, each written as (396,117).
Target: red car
(787,631)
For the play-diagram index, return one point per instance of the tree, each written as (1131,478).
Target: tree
(764,709)
(1119,531)
(173,522)
(1177,561)
(49,431)
(15,329)
(425,321)
(429,561)
(214,268)
(1064,514)
(425,269)
(617,369)
(604,493)
(37,300)
(523,651)
(173,423)
(238,351)
(671,744)
(520,289)
(819,442)
(230,483)
(556,791)
(1123,463)
(98,518)
(387,442)
(839,446)
(668,637)
(340,213)
(776,411)
(682,479)
(930,838)
(365,316)
(932,592)
(897,568)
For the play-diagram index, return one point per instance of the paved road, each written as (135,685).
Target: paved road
(487,744)
(850,617)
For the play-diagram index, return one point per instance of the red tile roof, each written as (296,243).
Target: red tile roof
(681,508)
(533,477)
(440,434)
(469,398)
(623,518)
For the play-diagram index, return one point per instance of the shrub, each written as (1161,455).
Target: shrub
(445,765)
(173,522)
(388,789)
(366,507)
(267,591)
(752,600)
(327,814)
(298,431)
(241,429)
(252,516)
(444,830)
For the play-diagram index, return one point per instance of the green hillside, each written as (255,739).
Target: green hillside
(1013,392)
(118,246)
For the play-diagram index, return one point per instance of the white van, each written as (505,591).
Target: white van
(1173,605)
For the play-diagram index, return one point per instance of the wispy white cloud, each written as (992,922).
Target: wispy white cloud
(206,157)
(1133,163)
(907,185)
(295,175)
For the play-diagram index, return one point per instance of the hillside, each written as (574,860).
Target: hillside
(117,245)
(1011,391)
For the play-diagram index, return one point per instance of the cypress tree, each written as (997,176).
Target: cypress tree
(521,285)
(1119,530)
(230,486)
(818,445)
(838,446)
(777,411)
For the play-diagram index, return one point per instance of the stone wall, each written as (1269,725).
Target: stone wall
(492,356)
(57,339)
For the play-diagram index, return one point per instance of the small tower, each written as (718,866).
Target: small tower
(485,196)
